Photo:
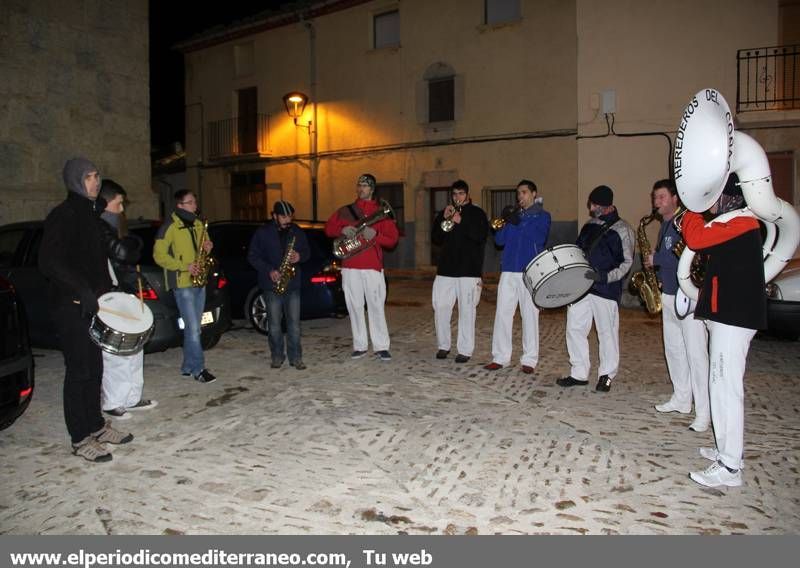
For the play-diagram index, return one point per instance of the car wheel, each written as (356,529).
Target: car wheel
(256,309)
(210,341)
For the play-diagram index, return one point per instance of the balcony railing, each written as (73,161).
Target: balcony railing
(240,136)
(768,78)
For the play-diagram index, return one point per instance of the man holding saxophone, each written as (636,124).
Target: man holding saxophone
(362,270)
(461,230)
(181,242)
(276,249)
(685,340)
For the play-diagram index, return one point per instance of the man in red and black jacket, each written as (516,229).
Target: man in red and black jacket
(733,304)
(362,273)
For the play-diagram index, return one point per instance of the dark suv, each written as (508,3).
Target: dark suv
(321,292)
(19,253)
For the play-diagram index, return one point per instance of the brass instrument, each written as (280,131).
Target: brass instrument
(645,281)
(448,223)
(500,222)
(697,270)
(287,270)
(204,261)
(345,247)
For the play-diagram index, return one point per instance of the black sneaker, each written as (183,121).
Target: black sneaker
(442,354)
(603,384)
(384,355)
(186,375)
(357,354)
(299,365)
(275,364)
(205,376)
(462,358)
(570,382)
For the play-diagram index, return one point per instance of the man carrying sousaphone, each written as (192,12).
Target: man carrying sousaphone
(362,271)
(607,242)
(461,229)
(523,235)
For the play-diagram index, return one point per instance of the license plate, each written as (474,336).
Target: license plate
(208,317)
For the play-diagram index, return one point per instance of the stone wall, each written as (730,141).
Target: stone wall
(75,83)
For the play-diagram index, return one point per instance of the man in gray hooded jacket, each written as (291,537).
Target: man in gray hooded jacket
(73,257)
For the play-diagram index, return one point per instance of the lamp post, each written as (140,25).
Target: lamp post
(295,103)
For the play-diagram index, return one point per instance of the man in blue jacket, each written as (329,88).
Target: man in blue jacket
(523,237)
(277,246)
(607,241)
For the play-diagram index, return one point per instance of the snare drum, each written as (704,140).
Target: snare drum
(557,276)
(122,325)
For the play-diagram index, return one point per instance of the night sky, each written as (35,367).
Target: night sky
(170,23)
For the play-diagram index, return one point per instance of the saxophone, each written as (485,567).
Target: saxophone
(287,270)
(645,281)
(203,260)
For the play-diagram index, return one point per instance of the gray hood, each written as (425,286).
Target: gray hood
(74,171)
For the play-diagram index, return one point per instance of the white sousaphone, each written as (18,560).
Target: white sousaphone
(707,151)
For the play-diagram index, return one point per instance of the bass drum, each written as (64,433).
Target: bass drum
(557,276)
(122,325)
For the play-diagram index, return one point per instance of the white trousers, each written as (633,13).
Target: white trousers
(360,286)
(605,314)
(686,352)
(446,291)
(123,380)
(728,346)
(511,292)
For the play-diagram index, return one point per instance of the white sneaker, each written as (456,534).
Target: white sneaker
(699,425)
(717,474)
(713,455)
(672,406)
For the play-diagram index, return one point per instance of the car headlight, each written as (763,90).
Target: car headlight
(774,291)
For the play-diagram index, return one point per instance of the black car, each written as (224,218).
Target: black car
(16,361)
(19,253)
(321,292)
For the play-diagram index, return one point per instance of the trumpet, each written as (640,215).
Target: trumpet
(508,214)
(447,224)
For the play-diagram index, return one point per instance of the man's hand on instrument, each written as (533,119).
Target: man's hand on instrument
(369,233)
(648,261)
(349,231)
(597,276)
(275,275)
(294,257)
(207,246)
(457,218)
(193,269)
(89,304)
(448,211)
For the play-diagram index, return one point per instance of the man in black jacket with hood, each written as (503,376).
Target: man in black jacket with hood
(458,276)
(73,257)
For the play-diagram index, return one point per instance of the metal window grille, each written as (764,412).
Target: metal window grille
(768,78)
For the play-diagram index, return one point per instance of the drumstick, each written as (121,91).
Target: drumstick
(139,282)
(119,314)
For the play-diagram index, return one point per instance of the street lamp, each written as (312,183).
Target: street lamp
(295,103)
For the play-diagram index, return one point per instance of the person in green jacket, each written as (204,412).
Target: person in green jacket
(178,244)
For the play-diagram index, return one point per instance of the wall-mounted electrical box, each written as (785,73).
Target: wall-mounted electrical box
(609,99)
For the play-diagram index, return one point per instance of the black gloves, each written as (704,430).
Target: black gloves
(599,276)
(89,304)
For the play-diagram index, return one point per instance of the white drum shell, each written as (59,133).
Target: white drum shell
(557,276)
(123,325)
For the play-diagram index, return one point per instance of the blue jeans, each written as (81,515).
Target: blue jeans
(279,307)
(191,302)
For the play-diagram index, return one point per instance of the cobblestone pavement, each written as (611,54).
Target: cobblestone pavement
(416,445)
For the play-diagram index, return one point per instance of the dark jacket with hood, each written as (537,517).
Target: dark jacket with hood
(463,247)
(607,242)
(523,237)
(72,254)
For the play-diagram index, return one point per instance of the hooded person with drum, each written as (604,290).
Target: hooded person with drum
(74,259)
(607,242)
(522,232)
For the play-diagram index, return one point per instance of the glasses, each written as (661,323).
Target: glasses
(188,202)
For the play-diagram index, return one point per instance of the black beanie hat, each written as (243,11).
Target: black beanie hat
(283,208)
(602,195)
